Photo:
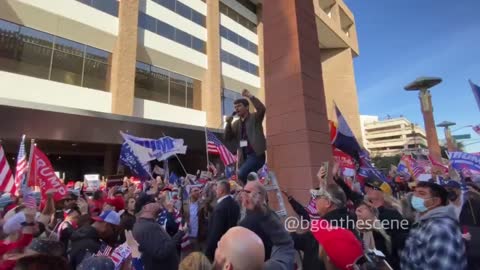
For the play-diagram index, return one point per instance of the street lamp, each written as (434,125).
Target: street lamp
(423,84)
(448,135)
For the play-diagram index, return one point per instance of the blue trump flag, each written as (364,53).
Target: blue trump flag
(367,169)
(159,149)
(131,157)
(462,162)
(344,138)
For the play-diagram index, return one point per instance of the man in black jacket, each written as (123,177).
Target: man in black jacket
(225,216)
(247,134)
(157,247)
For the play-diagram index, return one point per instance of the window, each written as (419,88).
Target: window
(237,62)
(232,36)
(170,4)
(165,30)
(183,10)
(160,84)
(146,22)
(178,88)
(96,69)
(183,38)
(67,63)
(228,97)
(239,40)
(189,93)
(198,45)
(198,18)
(232,14)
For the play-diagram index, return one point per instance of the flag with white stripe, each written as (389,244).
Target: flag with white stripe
(7,182)
(22,164)
(215,146)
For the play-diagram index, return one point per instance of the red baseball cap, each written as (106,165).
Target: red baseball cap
(341,245)
(116,202)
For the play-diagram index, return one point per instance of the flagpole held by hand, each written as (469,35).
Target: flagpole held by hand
(30,158)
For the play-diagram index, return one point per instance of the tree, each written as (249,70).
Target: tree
(384,162)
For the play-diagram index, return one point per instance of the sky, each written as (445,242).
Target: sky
(401,40)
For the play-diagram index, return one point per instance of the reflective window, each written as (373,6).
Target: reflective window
(238,62)
(30,52)
(107,6)
(157,84)
(228,97)
(183,10)
(228,11)
(170,32)
(237,39)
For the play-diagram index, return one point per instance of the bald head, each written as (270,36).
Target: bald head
(239,249)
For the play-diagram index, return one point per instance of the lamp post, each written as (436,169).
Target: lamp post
(423,84)
(448,135)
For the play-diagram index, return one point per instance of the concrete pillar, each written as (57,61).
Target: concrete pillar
(297,130)
(261,53)
(340,88)
(427,111)
(212,86)
(122,78)
(450,141)
(197,95)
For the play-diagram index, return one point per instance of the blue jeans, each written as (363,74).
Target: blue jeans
(252,163)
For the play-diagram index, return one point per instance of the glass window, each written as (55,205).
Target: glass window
(143,81)
(183,38)
(244,65)
(147,22)
(67,68)
(107,6)
(198,18)
(223,8)
(95,74)
(170,4)
(189,93)
(69,46)
(224,56)
(165,30)
(160,85)
(32,36)
(198,44)
(228,98)
(243,42)
(233,60)
(177,90)
(97,54)
(253,69)
(223,32)
(183,10)
(232,36)
(30,59)
(87,2)
(253,47)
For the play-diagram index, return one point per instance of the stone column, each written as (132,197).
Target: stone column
(427,111)
(450,142)
(212,86)
(122,78)
(297,130)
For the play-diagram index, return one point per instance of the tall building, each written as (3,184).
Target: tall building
(391,137)
(76,72)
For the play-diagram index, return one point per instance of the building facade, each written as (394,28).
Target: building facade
(76,72)
(391,137)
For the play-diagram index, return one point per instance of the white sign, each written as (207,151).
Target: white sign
(92,181)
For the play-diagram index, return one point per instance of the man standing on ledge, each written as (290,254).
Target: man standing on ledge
(248,135)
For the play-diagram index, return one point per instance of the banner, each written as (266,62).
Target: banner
(346,162)
(466,163)
(344,138)
(42,173)
(130,155)
(159,149)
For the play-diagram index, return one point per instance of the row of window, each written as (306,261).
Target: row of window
(38,54)
(30,52)
(232,14)
(151,24)
(237,39)
(183,10)
(157,84)
(107,6)
(238,62)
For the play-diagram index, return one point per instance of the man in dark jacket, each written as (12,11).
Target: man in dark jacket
(90,239)
(225,216)
(157,247)
(247,134)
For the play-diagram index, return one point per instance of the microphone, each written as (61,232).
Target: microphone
(234,113)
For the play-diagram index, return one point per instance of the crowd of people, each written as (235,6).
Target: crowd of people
(224,225)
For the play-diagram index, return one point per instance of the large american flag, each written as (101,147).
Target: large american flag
(215,146)
(22,164)
(7,183)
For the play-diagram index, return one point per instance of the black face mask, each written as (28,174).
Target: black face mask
(452,196)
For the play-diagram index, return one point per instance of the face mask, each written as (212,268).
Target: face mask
(418,204)
(452,196)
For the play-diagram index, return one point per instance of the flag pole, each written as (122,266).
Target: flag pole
(27,178)
(181,164)
(206,146)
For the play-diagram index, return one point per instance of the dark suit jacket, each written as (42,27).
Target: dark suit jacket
(225,216)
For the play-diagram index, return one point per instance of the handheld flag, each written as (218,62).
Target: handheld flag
(134,156)
(214,146)
(7,182)
(476,92)
(22,164)
(344,138)
(476,129)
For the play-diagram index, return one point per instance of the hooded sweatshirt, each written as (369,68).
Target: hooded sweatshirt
(435,242)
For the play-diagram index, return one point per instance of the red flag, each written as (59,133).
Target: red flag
(42,174)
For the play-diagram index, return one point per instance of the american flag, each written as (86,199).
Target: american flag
(214,146)
(22,165)
(29,200)
(7,183)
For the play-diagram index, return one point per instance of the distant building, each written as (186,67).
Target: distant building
(391,136)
